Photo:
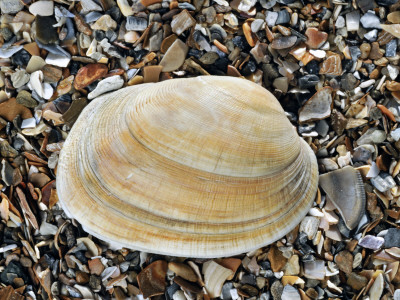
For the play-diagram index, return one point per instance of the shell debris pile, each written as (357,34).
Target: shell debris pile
(332,65)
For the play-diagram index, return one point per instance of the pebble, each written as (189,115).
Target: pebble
(357,282)
(175,56)
(106,85)
(57,60)
(353,21)
(372,136)
(9,109)
(183,271)
(276,258)
(281,84)
(383,182)
(151,279)
(317,107)
(314,269)
(19,78)
(290,293)
(283,42)
(42,8)
(315,38)
(135,23)
(394,17)
(24,98)
(332,65)
(6,150)
(340,22)
(271,17)
(344,260)
(292,268)
(90,5)
(11,6)
(371,242)
(276,289)
(370,20)
(391,49)
(283,17)
(309,225)
(348,82)
(35,63)
(181,22)
(45,32)
(125,8)
(105,22)
(392,238)
(89,74)
(371,35)
(257,25)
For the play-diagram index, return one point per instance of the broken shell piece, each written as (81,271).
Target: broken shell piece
(214,277)
(318,106)
(345,189)
(214,140)
(175,56)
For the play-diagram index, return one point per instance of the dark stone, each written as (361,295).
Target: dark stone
(45,32)
(21,58)
(222,64)
(249,290)
(99,35)
(74,67)
(14,267)
(111,35)
(139,55)
(226,291)
(361,155)
(344,231)
(339,122)
(308,81)
(6,33)
(347,65)
(283,17)
(81,256)
(54,136)
(248,279)
(249,68)
(391,48)
(115,13)
(392,238)
(312,67)
(285,2)
(302,245)
(365,5)
(195,53)
(386,2)
(94,282)
(171,290)
(270,72)
(375,113)
(241,42)
(348,82)
(355,52)
(265,265)
(63,102)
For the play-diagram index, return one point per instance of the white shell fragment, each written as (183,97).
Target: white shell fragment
(189,167)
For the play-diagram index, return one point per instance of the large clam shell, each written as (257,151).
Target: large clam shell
(200,167)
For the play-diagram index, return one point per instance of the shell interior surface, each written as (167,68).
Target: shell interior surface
(201,167)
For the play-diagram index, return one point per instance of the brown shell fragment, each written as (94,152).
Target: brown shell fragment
(315,37)
(332,65)
(152,279)
(89,74)
(10,109)
(345,189)
(318,106)
(184,165)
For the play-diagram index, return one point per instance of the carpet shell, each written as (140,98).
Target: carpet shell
(201,167)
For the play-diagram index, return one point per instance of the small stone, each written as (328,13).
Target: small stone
(19,78)
(340,22)
(309,225)
(209,58)
(283,17)
(292,267)
(73,292)
(135,23)
(276,258)
(81,25)
(151,73)
(371,35)
(125,8)
(332,65)
(42,8)
(318,106)
(57,60)
(10,109)
(105,22)
(383,182)
(175,56)
(35,63)
(391,48)
(375,53)
(392,238)
(393,29)
(131,36)
(315,38)
(314,269)
(151,279)
(370,20)
(308,81)
(365,49)
(290,293)
(376,289)
(11,6)
(181,22)
(348,82)
(394,17)
(256,25)
(51,73)
(90,5)
(6,150)
(24,98)
(371,242)
(344,260)
(65,85)
(107,85)
(283,42)
(357,282)
(89,74)
(271,17)
(183,271)
(45,32)
(95,266)
(82,277)
(276,289)
(353,21)
(372,136)
(386,2)
(282,84)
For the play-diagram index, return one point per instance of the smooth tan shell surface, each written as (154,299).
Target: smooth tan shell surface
(200,167)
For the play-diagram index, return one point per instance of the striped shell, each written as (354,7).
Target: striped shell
(201,167)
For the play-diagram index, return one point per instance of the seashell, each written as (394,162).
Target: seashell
(200,167)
